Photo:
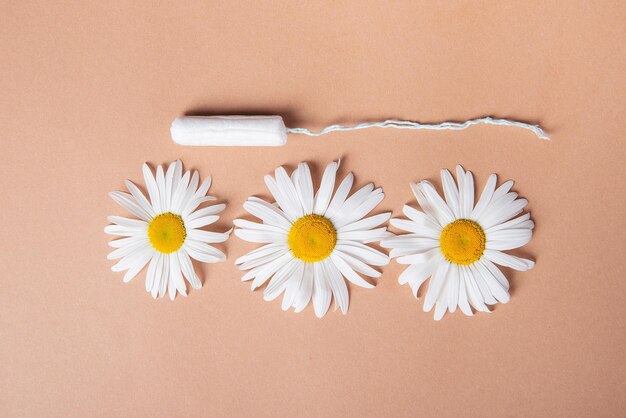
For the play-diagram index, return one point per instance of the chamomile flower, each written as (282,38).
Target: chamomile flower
(167,234)
(312,241)
(458,244)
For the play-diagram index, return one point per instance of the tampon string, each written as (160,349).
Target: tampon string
(407,124)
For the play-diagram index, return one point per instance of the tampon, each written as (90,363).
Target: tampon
(270,131)
(250,131)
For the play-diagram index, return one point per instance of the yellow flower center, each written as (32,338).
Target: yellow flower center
(462,242)
(312,238)
(167,232)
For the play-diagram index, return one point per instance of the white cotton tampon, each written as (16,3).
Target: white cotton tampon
(270,131)
(243,131)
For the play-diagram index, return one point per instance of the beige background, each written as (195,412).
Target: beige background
(87,93)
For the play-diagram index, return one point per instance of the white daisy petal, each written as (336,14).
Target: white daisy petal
(285,202)
(427,205)
(460,179)
(495,271)
(322,198)
(306,289)
(473,292)
(252,274)
(267,213)
(122,242)
(138,263)
(521,222)
(409,250)
(204,188)
(160,180)
(337,284)
(169,181)
(419,257)
(158,275)
(505,213)
(200,222)
(203,252)
(450,295)
(260,236)
(304,188)
(363,252)
(364,236)
(467,196)
(153,190)
(244,224)
(140,199)
(193,204)
(176,278)
(209,210)
(452,289)
(128,222)
(277,284)
(128,260)
(126,231)
(482,284)
(451,192)
(354,201)
(502,190)
(262,252)
(410,241)
(171,287)
(188,195)
(362,210)
(444,214)
(150,274)
(268,270)
(187,268)
(179,194)
(129,203)
(340,196)
(207,236)
(508,239)
(199,197)
(289,190)
(437,281)
(416,229)
(507,260)
(496,205)
(441,305)
(495,287)
(321,291)
(128,249)
(165,277)
(416,274)
(260,261)
(347,271)
(293,286)
(174,270)
(485,197)
(463,301)
(178,174)
(420,218)
(357,265)
(180,285)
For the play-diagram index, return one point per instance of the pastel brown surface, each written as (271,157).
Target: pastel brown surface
(87,93)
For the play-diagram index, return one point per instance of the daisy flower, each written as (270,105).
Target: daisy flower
(312,240)
(167,232)
(458,244)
